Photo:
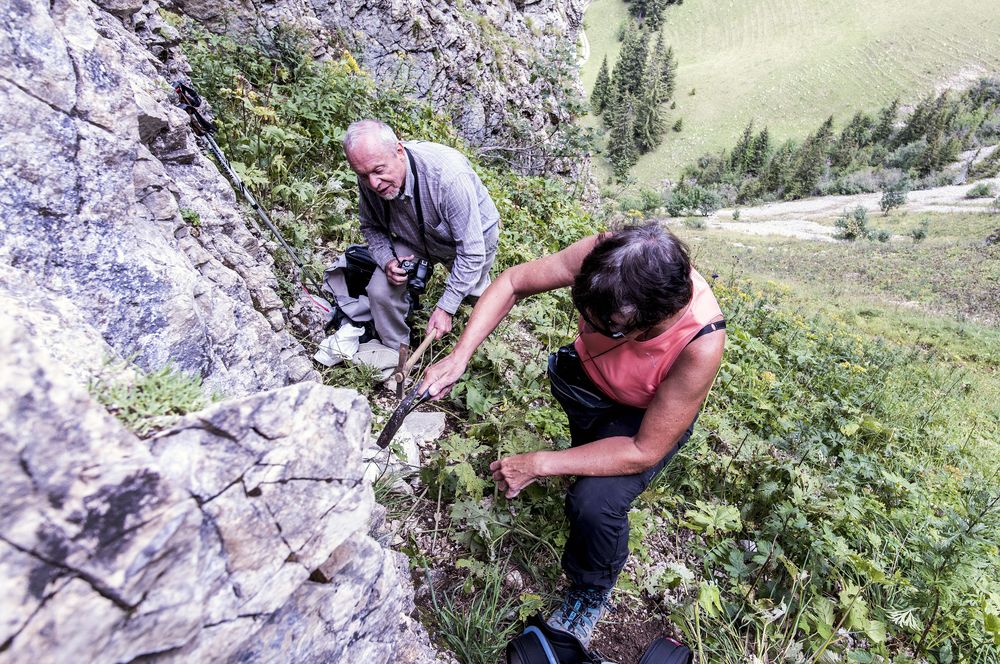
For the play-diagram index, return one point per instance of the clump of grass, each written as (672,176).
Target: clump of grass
(150,401)
(477,626)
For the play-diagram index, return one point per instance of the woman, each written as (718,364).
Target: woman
(649,346)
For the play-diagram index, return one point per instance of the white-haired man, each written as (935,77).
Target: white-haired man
(419,200)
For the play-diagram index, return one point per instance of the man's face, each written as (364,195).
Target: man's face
(381,169)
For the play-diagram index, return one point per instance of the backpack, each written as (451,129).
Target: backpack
(540,643)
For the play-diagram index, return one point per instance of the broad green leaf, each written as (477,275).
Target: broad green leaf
(709,599)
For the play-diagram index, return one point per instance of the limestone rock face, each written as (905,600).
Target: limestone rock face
(239,534)
(503,70)
(96,168)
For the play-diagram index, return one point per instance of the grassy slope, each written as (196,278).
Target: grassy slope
(791,64)
(941,293)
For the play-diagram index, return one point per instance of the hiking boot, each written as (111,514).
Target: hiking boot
(580,611)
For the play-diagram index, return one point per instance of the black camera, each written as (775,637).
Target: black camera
(418,272)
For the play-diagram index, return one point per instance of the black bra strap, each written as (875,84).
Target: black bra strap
(708,329)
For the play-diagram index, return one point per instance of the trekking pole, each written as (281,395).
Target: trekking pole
(203,129)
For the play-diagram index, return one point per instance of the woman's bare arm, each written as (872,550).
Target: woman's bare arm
(672,410)
(514,284)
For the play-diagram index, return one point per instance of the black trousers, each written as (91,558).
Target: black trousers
(597,507)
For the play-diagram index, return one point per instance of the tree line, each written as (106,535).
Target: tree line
(872,152)
(630,98)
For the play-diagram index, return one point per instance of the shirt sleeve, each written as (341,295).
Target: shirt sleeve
(375,234)
(460,210)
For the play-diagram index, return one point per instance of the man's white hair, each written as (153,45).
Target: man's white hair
(375,128)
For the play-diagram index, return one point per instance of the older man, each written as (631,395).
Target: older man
(419,200)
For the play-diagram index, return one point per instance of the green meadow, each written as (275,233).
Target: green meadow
(790,65)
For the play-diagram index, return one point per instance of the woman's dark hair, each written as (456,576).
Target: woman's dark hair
(642,273)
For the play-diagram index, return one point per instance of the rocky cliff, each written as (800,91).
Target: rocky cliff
(504,71)
(239,534)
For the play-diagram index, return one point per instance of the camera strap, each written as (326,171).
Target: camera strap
(386,212)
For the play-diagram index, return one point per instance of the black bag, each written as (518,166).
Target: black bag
(541,644)
(360,268)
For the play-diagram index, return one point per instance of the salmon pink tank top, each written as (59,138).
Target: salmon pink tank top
(629,372)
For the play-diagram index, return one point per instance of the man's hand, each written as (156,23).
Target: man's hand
(439,323)
(394,273)
(514,473)
(441,376)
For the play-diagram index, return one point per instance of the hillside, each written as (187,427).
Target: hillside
(747,61)
(184,484)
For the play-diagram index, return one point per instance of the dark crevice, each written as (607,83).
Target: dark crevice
(70,113)
(242,616)
(99,587)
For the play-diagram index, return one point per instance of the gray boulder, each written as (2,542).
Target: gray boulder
(239,534)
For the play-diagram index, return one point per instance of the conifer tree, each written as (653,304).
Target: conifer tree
(602,89)
(621,148)
(759,153)
(886,119)
(631,61)
(739,160)
(810,162)
(649,119)
(668,72)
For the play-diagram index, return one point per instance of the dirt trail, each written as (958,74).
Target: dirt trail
(812,218)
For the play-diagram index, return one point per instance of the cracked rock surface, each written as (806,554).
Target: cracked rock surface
(239,534)
(486,63)
(96,168)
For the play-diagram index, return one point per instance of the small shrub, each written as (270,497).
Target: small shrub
(891,199)
(981,190)
(693,199)
(736,214)
(679,125)
(692,93)
(695,222)
(673,105)
(882,235)
(920,232)
(853,225)
(994,207)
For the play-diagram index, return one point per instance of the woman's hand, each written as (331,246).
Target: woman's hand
(513,473)
(441,376)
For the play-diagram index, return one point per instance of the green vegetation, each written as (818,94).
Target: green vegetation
(748,64)
(868,154)
(631,99)
(839,500)
(981,190)
(191,217)
(147,402)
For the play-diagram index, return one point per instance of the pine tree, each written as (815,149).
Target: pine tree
(810,162)
(602,89)
(631,63)
(886,119)
(649,119)
(621,149)
(739,160)
(759,153)
(668,72)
